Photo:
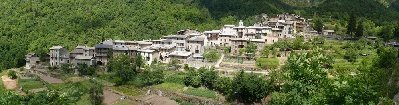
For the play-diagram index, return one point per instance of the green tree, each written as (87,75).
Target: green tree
(386,57)
(152,75)
(223,85)
(212,55)
(351,54)
(10,98)
(298,43)
(249,87)
(227,50)
(122,68)
(351,25)
(305,79)
(360,29)
(84,69)
(250,49)
(139,61)
(96,93)
(174,64)
(265,52)
(208,78)
(66,68)
(387,32)
(370,28)
(192,79)
(12,74)
(318,25)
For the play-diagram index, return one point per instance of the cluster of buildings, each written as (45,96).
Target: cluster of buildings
(186,44)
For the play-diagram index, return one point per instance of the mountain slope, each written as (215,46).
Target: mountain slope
(36,25)
(335,8)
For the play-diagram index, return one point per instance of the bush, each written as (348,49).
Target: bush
(267,63)
(66,68)
(249,87)
(201,77)
(175,78)
(86,70)
(223,85)
(148,77)
(12,74)
(351,55)
(212,55)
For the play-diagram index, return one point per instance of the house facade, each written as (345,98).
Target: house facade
(103,53)
(58,56)
(31,60)
(197,44)
(87,60)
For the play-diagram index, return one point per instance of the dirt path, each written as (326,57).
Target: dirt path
(49,79)
(110,97)
(219,61)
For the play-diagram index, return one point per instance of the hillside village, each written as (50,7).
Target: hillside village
(199,79)
(188,45)
(199,52)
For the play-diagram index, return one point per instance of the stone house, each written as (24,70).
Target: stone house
(270,39)
(103,52)
(144,44)
(212,37)
(58,56)
(237,44)
(89,51)
(120,49)
(79,50)
(226,33)
(328,32)
(88,60)
(31,60)
(196,44)
(132,46)
(182,56)
(163,50)
(260,44)
(148,55)
(180,41)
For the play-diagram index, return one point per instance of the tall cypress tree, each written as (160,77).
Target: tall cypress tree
(318,25)
(351,25)
(359,29)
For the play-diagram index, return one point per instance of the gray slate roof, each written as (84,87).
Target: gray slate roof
(81,57)
(197,38)
(103,46)
(120,47)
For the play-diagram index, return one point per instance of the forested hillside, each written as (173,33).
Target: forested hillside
(338,9)
(35,25)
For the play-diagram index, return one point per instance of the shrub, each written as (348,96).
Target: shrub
(175,78)
(212,55)
(223,85)
(12,74)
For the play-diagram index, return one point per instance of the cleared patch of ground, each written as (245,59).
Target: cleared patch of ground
(8,83)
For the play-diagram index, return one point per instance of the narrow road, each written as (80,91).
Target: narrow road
(233,71)
(217,65)
(48,79)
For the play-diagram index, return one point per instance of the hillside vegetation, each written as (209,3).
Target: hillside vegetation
(35,25)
